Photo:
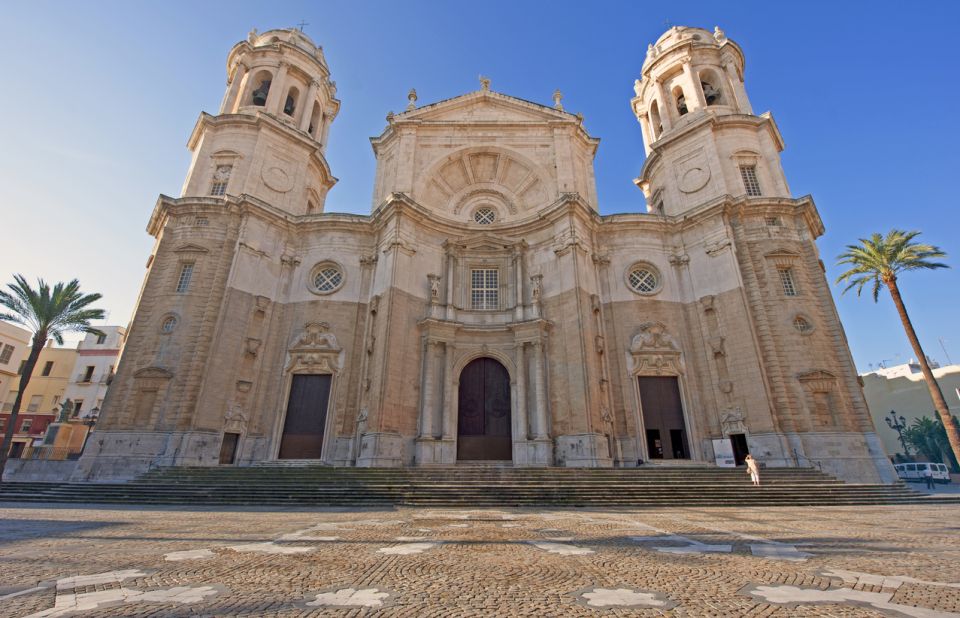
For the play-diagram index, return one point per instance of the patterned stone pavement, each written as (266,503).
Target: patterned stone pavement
(843,561)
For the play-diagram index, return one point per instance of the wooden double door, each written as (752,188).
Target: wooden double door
(663,423)
(306,417)
(484,415)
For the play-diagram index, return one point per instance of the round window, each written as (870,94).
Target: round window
(802,325)
(169,323)
(327,278)
(643,279)
(485,215)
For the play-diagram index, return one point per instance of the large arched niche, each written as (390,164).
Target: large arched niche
(471,178)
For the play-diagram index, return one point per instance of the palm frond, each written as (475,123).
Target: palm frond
(879,258)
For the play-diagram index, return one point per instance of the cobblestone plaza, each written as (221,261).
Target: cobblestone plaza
(840,561)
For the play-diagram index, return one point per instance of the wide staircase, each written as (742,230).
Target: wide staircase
(312,485)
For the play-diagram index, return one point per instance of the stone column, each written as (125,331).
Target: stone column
(306,108)
(449,393)
(276,96)
(739,92)
(451,259)
(229,105)
(663,104)
(645,131)
(694,82)
(538,423)
(428,396)
(524,425)
(325,122)
(518,277)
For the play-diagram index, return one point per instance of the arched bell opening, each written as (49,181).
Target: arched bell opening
(261,88)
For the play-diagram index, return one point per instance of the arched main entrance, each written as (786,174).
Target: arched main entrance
(483,417)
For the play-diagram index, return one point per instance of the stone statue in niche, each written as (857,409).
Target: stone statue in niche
(434,288)
(536,289)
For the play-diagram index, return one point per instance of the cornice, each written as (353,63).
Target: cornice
(263,121)
(764,120)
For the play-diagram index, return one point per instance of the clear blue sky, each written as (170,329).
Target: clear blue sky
(100,97)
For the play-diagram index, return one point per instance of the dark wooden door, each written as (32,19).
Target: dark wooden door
(483,417)
(306,417)
(228,448)
(740,448)
(663,413)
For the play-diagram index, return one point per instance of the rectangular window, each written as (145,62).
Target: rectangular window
(11,399)
(485,288)
(773,221)
(220,179)
(88,374)
(6,354)
(35,402)
(47,368)
(25,425)
(786,280)
(101,339)
(750,182)
(23,364)
(186,273)
(76,407)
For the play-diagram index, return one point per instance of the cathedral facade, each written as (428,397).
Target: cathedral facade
(484,309)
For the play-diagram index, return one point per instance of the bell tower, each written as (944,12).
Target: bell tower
(270,136)
(701,137)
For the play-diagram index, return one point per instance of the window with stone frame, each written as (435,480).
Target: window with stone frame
(485,289)
(186,274)
(221,176)
(6,354)
(750,181)
(26,425)
(823,409)
(787,281)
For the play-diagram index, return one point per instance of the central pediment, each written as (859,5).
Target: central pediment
(486,106)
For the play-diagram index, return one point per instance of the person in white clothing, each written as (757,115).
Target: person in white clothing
(754,469)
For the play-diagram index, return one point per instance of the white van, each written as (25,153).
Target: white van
(914,472)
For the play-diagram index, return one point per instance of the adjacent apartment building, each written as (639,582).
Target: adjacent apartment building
(41,402)
(902,390)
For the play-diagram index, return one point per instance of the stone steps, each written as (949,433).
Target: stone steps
(309,484)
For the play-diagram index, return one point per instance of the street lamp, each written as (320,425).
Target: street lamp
(898,425)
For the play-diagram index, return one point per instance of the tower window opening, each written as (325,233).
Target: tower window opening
(485,288)
(750,182)
(314,121)
(655,120)
(802,325)
(220,179)
(186,274)
(259,95)
(681,100)
(290,105)
(787,281)
(711,93)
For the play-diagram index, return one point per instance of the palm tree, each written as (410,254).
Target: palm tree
(877,261)
(48,312)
